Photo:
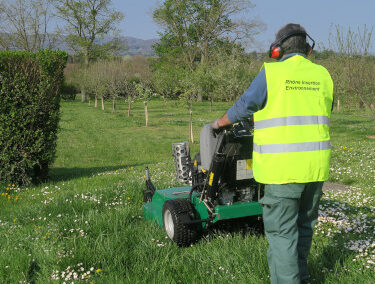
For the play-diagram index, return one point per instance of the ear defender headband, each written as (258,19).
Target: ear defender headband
(277,52)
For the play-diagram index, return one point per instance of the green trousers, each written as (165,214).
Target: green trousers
(290,212)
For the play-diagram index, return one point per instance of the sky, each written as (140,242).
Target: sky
(317,16)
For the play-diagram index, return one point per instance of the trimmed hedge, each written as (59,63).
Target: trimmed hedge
(30,86)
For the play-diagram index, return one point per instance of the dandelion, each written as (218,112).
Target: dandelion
(98,270)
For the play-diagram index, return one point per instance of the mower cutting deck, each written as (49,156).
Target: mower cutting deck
(153,211)
(227,190)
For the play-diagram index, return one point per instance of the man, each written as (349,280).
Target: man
(291,101)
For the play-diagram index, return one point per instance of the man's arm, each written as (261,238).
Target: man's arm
(253,100)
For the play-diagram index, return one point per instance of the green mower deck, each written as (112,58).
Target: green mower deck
(153,211)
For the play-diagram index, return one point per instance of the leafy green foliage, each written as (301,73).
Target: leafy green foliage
(194,29)
(29,113)
(145,93)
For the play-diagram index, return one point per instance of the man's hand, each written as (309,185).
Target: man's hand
(222,122)
(215,124)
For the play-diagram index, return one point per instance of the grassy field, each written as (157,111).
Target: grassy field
(86,225)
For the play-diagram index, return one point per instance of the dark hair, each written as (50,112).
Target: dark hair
(295,43)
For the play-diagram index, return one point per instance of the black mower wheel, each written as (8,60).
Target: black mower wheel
(176,214)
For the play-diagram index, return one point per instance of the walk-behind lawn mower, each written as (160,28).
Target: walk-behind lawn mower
(221,185)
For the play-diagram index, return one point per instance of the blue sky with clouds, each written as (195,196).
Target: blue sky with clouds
(317,16)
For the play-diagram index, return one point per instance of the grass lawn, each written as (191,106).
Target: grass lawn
(86,224)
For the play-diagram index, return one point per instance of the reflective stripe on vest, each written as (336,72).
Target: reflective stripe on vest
(291,120)
(292,147)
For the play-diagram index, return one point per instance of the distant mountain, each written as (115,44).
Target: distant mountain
(135,46)
(138,46)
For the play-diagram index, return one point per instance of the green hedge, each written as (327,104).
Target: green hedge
(30,86)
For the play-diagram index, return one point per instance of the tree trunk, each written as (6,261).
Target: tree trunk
(89,101)
(199,98)
(87,56)
(338,105)
(146,114)
(211,105)
(191,135)
(165,101)
(83,94)
(102,103)
(114,105)
(129,108)
(96,101)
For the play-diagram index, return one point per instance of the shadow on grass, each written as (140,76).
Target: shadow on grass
(330,261)
(333,257)
(33,272)
(65,174)
(246,225)
(332,265)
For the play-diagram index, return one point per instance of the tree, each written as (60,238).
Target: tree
(145,94)
(165,81)
(205,83)
(193,29)
(353,68)
(190,94)
(24,25)
(232,75)
(130,92)
(94,81)
(86,22)
(116,79)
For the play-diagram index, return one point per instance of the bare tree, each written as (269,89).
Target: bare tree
(145,94)
(24,25)
(357,68)
(117,80)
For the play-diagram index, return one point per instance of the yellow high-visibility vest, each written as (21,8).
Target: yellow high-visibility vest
(291,136)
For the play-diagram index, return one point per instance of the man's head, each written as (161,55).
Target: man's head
(289,39)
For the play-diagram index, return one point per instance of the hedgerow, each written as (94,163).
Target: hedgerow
(30,86)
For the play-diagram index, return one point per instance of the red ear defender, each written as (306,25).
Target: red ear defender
(275,52)
(310,51)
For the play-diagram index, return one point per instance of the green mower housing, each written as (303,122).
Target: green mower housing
(153,211)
